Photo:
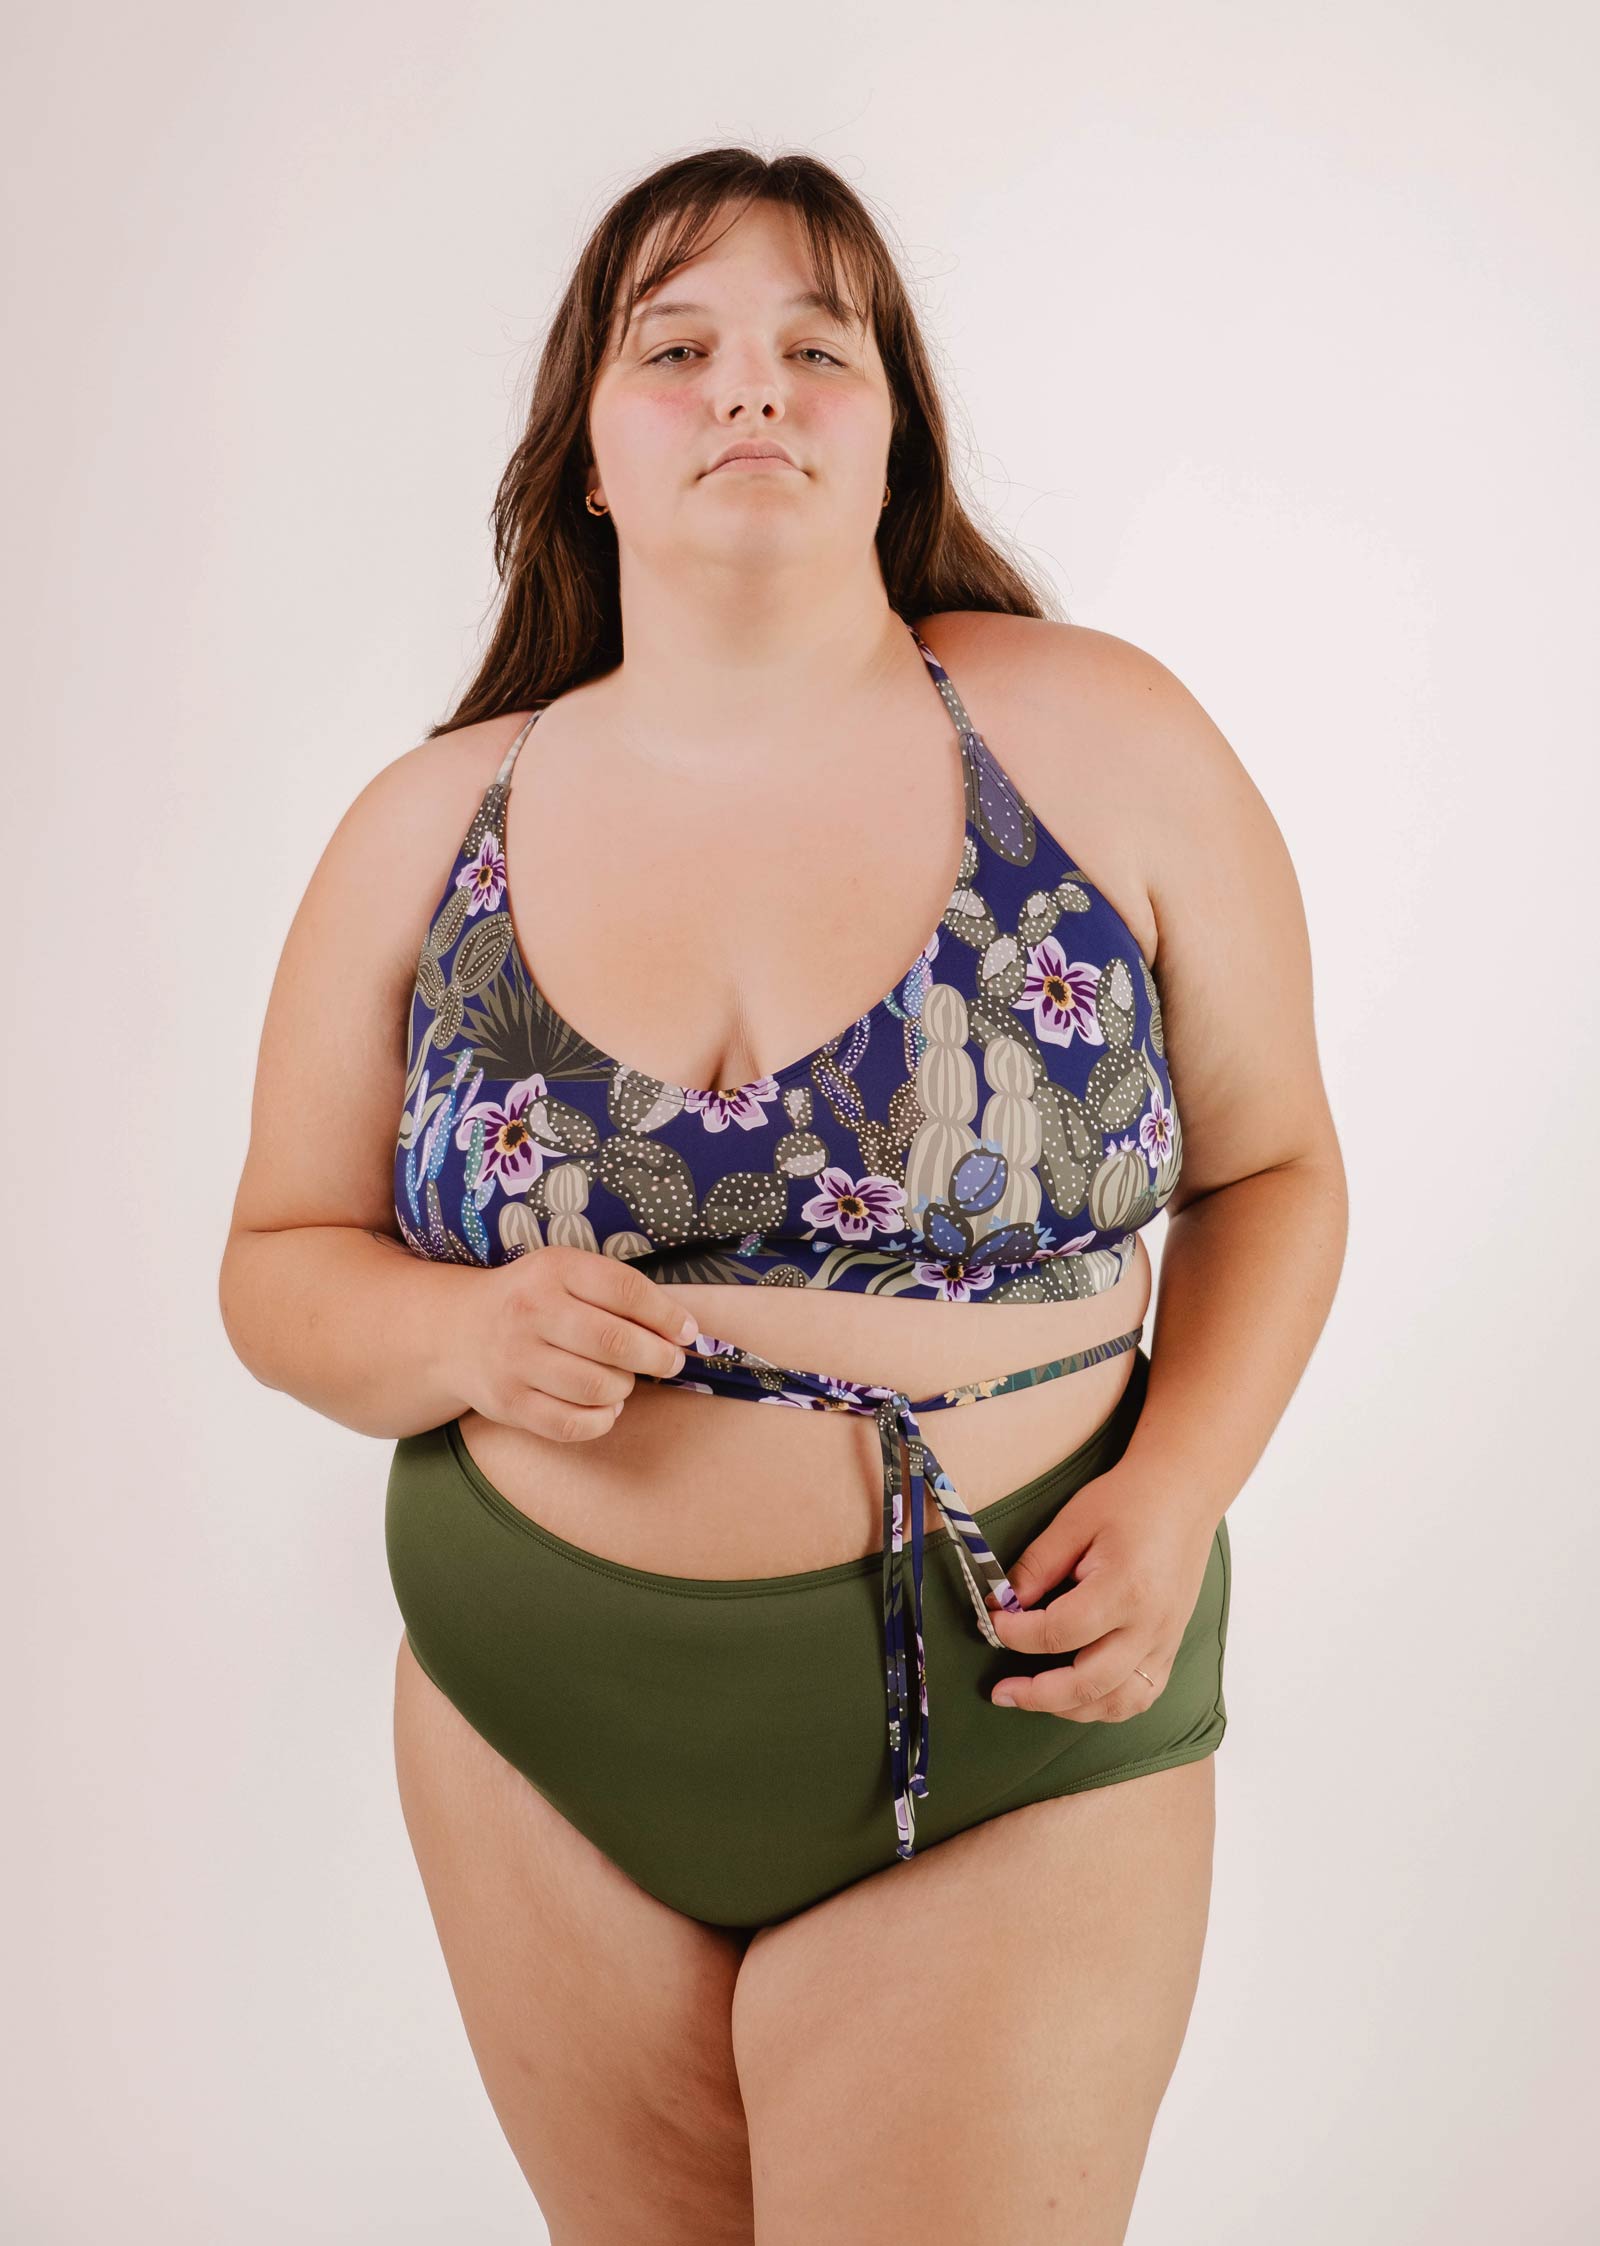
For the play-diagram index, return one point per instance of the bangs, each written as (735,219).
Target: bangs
(843,269)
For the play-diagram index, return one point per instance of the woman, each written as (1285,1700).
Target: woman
(691,1894)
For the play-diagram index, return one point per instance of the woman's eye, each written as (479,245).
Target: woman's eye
(661,358)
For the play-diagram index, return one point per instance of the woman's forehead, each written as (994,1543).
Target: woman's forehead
(633,306)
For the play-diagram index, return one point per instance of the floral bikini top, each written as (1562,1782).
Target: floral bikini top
(995,1129)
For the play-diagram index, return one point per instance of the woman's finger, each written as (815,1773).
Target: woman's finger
(1102,1685)
(1044,1565)
(1075,1617)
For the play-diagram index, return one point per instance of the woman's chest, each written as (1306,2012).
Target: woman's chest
(712,936)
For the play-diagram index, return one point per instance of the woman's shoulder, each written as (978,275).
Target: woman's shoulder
(379,872)
(426,797)
(1045,653)
(1117,755)
(1075,709)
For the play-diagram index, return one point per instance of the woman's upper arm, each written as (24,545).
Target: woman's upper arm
(330,1071)
(1233,955)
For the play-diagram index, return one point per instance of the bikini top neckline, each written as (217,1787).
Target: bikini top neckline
(1000,788)
(996,1129)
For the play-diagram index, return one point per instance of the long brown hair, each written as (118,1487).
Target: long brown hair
(560,619)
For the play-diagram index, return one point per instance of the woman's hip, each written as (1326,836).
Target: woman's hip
(724,1741)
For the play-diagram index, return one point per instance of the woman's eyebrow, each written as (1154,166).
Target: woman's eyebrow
(807,300)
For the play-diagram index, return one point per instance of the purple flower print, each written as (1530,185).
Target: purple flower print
(1155,1131)
(744,1104)
(512,1156)
(957,1282)
(1059,993)
(835,1390)
(855,1207)
(484,877)
(838,1398)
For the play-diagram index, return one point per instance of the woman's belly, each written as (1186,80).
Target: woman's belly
(718,1486)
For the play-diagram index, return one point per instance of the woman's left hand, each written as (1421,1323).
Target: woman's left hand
(1139,1558)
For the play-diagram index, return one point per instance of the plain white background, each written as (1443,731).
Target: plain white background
(1270,332)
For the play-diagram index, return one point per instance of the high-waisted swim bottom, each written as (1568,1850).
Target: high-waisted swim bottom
(723,1741)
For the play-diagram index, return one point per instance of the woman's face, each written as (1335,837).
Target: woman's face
(743,362)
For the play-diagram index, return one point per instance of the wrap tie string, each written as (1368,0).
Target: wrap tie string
(910,1471)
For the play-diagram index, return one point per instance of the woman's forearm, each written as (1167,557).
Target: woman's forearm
(1248,1274)
(349,1322)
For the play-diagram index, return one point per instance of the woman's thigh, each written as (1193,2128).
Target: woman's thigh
(600,2019)
(974,2043)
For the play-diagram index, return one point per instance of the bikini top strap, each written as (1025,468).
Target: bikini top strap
(509,759)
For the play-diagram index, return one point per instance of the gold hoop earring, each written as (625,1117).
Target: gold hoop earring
(885,500)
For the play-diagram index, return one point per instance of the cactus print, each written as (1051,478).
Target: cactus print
(995,1129)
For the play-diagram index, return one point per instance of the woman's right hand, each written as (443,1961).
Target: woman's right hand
(553,1341)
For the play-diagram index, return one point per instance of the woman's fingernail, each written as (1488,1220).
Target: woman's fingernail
(1003,1698)
(688,1330)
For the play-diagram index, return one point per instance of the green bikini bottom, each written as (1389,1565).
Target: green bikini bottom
(723,1741)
